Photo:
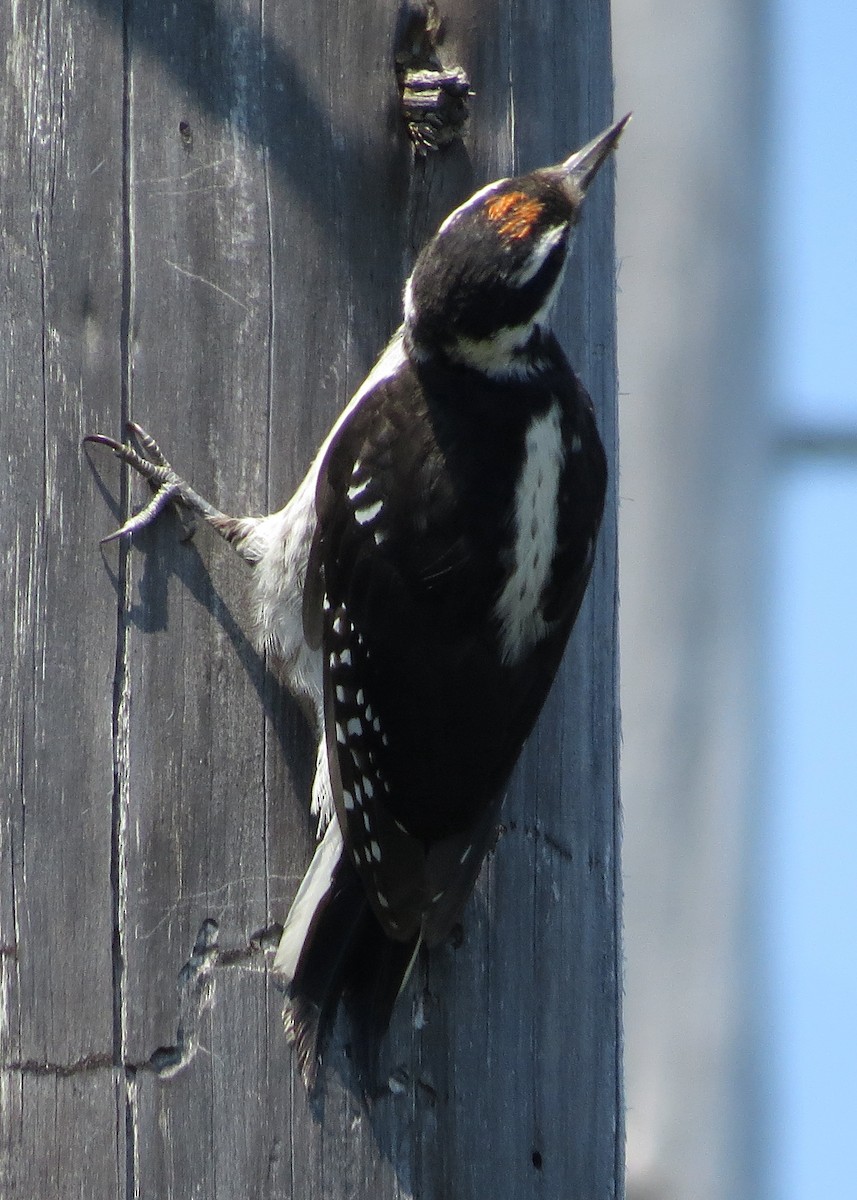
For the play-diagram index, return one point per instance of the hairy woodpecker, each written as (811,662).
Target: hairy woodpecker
(419,588)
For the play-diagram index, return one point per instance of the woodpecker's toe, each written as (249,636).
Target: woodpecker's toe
(155,469)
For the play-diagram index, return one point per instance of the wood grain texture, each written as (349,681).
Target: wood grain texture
(61,313)
(210,210)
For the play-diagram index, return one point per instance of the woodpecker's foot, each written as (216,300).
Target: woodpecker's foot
(167,485)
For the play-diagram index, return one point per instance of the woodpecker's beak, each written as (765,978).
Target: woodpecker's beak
(581,167)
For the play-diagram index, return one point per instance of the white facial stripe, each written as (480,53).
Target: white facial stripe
(538,255)
(498,356)
(544,312)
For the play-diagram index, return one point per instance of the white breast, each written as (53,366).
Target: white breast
(534,537)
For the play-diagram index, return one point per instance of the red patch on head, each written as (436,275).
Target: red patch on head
(514,214)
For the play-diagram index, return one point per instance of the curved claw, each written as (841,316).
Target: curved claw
(101,439)
(156,470)
(167,485)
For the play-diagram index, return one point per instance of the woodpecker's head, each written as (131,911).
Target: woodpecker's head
(484,284)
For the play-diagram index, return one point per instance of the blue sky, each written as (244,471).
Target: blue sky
(811,873)
(814,205)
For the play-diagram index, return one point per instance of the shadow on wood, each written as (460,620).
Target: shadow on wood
(208,213)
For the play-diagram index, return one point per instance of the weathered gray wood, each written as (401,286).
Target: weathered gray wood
(58,1134)
(60,282)
(248,247)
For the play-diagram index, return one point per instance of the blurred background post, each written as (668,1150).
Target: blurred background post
(737,239)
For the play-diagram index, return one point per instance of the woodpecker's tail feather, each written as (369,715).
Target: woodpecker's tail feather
(333,948)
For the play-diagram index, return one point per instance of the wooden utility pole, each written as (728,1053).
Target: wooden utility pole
(208,211)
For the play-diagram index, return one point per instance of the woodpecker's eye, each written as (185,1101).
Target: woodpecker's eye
(514,214)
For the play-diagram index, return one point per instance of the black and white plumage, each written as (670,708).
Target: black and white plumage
(419,588)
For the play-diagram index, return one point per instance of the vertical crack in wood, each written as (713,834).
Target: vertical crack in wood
(269,402)
(510,109)
(130,1133)
(121,687)
(269,505)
